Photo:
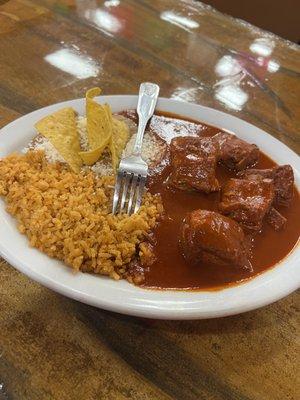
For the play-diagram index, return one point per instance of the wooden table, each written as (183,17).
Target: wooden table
(55,348)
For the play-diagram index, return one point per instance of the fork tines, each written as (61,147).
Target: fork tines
(128,193)
(133,169)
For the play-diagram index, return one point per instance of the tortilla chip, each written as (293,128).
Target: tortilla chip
(119,139)
(60,129)
(91,156)
(99,125)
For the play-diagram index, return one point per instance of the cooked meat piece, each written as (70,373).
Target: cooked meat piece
(283,177)
(275,219)
(284,185)
(247,201)
(235,153)
(193,162)
(135,272)
(254,173)
(209,237)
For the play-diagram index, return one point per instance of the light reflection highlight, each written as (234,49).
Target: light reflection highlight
(106,21)
(185,94)
(102,19)
(262,46)
(273,66)
(232,96)
(111,3)
(227,89)
(179,20)
(74,64)
(227,66)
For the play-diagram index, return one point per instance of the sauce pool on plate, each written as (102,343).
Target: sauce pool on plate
(171,270)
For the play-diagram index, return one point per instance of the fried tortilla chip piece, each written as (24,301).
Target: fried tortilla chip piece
(60,129)
(91,156)
(119,139)
(99,127)
(99,124)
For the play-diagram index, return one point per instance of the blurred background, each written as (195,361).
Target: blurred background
(280,17)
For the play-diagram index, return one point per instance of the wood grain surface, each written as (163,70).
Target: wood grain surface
(54,348)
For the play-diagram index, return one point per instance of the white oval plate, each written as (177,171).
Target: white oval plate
(121,296)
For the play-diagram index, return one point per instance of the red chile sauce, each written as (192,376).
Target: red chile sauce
(171,269)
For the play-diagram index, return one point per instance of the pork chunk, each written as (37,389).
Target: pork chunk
(235,153)
(247,201)
(209,237)
(193,162)
(283,177)
(275,219)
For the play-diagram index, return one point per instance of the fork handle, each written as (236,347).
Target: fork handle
(148,95)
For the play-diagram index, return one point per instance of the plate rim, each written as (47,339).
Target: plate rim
(156,311)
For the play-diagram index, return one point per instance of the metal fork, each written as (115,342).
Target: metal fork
(133,170)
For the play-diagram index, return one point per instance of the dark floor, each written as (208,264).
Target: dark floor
(280,17)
